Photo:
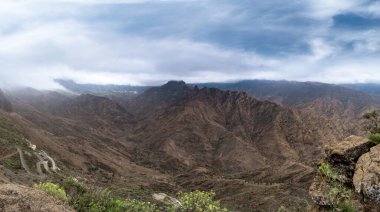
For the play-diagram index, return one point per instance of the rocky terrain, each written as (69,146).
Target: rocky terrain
(15,197)
(339,104)
(256,155)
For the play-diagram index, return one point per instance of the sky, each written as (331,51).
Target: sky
(148,42)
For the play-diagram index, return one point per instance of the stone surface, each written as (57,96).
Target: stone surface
(367,174)
(343,155)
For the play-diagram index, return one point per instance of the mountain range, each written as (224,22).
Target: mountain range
(255,143)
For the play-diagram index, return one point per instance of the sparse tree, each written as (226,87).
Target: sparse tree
(372,123)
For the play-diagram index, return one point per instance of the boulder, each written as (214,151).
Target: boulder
(366,179)
(162,197)
(342,156)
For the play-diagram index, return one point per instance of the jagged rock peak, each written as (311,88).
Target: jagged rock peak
(175,85)
(220,95)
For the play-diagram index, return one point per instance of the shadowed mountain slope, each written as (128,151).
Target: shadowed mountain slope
(4,103)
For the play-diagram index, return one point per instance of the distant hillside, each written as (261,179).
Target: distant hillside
(296,94)
(370,88)
(336,102)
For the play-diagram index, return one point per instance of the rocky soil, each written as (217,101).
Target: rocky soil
(15,197)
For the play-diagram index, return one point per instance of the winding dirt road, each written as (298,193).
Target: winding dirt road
(22,159)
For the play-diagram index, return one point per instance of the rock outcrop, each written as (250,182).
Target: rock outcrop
(353,161)
(367,174)
(342,156)
(20,198)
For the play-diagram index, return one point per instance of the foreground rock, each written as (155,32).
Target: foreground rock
(342,156)
(20,198)
(332,186)
(367,174)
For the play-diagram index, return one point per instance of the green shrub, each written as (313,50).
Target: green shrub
(346,206)
(87,199)
(130,205)
(74,189)
(375,138)
(9,135)
(372,121)
(338,193)
(101,200)
(91,200)
(12,163)
(52,189)
(325,170)
(199,201)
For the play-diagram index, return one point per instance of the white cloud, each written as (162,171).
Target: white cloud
(348,71)
(323,9)
(320,50)
(69,49)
